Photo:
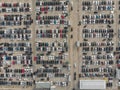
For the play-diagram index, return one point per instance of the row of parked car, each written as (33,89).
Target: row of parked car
(56,17)
(52,22)
(101,62)
(47,9)
(14,7)
(106,69)
(18,70)
(55,33)
(95,2)
(26,47)
(98,49)
(58,49)
(21,83)
(97,44)
(107,30)
(98,35)
(7,4)
(52,44)
(16,34)
(51,31)
(49,57)
(62,35)
(108,57)
(95,21)
(98,16)
(110,2)
(51,3)
(16,20)
(16,59)
(97,75)
(98,5)
(104,8)
(10,10)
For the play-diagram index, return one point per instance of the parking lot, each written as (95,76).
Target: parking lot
(34,43)
(98,41)
(59,42)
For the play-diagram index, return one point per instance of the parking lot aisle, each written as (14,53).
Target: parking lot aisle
(116,38)
(33,32)
(33,40)
(73,50)
(80,39)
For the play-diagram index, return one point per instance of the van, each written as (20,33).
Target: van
(69,78)
(75,65)
(69,67)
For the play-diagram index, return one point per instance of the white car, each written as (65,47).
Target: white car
(28,44)
(52,22)
(25,48)
(93,57)
(105,62)
(50,8)
(37,22)
(2,18)
(8,10)
(18,62)
(53,35)
(24,57)
(100,69)
(96,8)
(105,21)
(83,35)
(119,83)
(40,3)
(59,49)
(51,57)
(96,63)
(37,9)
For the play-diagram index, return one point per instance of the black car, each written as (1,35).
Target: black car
(74,75)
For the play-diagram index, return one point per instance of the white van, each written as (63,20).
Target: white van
(75,65)
(69,78)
